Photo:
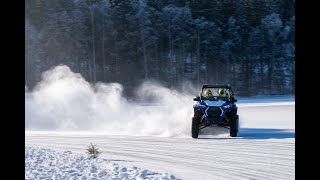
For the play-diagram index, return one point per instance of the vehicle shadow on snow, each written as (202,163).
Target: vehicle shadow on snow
(262,133)
(259,133)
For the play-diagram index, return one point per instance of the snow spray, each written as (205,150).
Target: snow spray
(65,101)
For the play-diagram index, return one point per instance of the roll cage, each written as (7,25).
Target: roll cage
(229,98)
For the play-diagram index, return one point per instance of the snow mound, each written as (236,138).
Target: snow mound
(41,163)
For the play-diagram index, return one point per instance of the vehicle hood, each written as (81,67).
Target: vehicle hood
(214,103)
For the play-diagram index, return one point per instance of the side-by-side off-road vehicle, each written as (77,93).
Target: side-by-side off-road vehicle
(217,109)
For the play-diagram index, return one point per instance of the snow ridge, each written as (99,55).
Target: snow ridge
(42,163)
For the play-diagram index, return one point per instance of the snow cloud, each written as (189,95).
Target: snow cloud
(65,101)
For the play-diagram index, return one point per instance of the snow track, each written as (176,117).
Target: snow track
(208,158)
(265,149)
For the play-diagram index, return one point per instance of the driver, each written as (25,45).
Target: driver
(207,93)
(222,92)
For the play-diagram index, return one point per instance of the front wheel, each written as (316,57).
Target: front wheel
(234,126)
(195,127)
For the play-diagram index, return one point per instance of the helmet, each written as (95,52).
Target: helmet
(207,93)
(223,92)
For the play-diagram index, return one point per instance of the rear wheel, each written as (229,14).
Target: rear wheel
(234,126)
(195,127)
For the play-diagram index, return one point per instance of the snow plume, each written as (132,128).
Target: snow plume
(65,101)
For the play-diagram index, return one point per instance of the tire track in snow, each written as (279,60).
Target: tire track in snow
(264,150)
(218,158)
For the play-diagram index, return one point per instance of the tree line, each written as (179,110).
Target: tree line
(247,44)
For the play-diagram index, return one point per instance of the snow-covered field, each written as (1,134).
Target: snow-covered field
(149,139)
(265,149)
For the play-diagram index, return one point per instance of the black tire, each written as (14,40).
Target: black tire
(234,126)
(195,127)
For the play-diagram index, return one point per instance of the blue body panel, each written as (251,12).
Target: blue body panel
(203,105)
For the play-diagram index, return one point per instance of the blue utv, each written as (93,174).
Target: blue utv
(217,109)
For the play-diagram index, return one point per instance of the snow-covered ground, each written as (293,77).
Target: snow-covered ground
(45,163)
(265,149)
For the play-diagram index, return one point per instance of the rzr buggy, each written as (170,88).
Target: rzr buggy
(215,110)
